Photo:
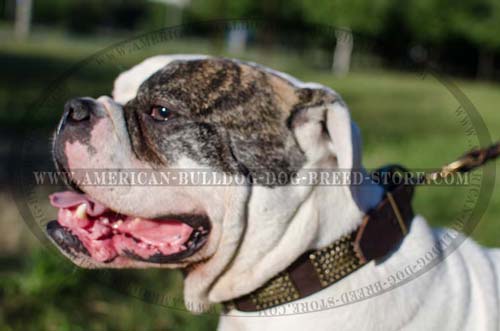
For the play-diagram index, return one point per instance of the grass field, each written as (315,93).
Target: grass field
(405,118)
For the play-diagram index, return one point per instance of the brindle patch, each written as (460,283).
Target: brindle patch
(226,114)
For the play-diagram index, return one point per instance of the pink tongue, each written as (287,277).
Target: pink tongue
(171,233)
(68,199)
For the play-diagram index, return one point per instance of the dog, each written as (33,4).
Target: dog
(246,121)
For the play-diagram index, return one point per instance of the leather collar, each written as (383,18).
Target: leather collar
(381,232)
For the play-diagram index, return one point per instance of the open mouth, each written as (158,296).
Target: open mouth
(84,226)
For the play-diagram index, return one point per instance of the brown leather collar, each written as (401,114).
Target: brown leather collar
(381,232)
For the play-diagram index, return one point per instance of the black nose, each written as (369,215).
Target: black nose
(79,109)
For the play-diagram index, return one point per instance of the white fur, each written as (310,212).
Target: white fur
(258,231)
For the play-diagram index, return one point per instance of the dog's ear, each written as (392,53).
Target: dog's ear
(344,135)
(325,131)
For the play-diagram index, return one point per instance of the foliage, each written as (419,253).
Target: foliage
(359,15)
(429,20)
(440,25)
(271,9)
(478,21)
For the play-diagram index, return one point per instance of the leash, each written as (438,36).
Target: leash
(469,161)
(381,232)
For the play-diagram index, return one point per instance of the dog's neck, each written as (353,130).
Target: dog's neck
(341,208)
(284,222)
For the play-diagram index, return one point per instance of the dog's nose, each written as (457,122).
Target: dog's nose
(79,109)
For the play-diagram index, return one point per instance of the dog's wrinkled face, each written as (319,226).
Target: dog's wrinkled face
(203,113)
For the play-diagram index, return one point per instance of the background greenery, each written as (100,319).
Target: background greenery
(405,117)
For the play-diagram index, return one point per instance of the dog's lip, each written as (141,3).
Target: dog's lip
(65,239)
(70,243)
(193,220)
(148,241)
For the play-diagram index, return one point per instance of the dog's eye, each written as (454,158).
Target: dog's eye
(160,113)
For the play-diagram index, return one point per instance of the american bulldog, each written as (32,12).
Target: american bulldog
(247,122)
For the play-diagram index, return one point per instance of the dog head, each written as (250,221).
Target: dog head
(185,113)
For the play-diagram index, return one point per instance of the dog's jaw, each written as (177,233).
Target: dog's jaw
(311,219)
(204,276)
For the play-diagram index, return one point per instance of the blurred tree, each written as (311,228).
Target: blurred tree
(429,28)
(284,12)
(125,14)
(88,16)
(23,18)
(280,10)
(360,16)
(429,20)
(479,22)
(172,10)
(85,16)
(461,36)
(53,12)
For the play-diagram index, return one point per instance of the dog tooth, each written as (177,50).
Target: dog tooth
(81,211)
(182,247)
(117,224)
(105,220)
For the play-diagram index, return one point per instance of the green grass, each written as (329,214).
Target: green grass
(404,118)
